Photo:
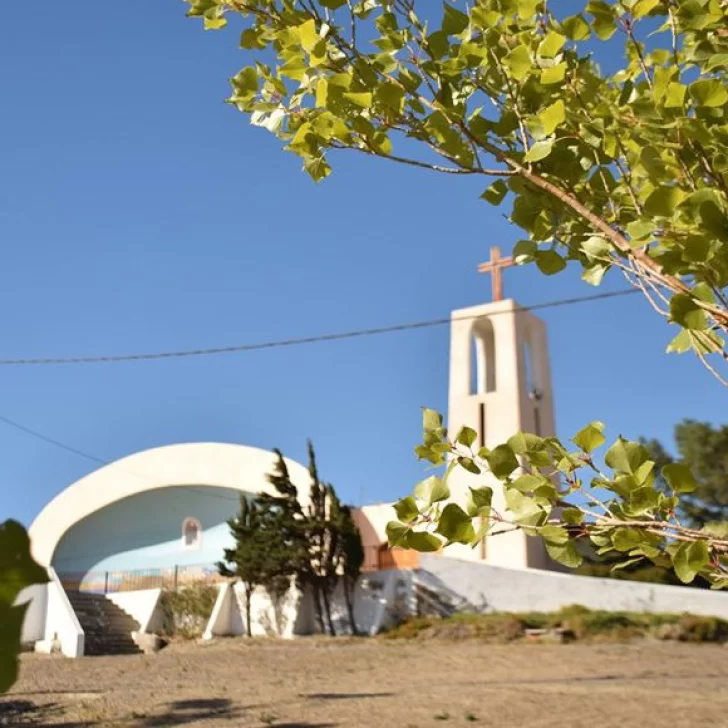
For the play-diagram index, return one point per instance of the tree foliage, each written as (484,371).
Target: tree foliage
(18,570)
(261,555)
(276,539)
(562,495)
(609,170)
(623,169)
(703,449)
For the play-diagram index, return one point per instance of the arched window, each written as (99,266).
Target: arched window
(191,533)
(482,358)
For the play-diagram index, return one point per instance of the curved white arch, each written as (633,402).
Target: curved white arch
(197,464)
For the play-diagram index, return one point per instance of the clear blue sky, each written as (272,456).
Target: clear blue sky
(139,212)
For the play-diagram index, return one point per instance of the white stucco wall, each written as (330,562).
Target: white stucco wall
(61,624)
(506,409)
(493,588)
(196,464)
(36,597)
(142,605)
(228,614)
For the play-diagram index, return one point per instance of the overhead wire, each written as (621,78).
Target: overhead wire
(249,347)
(302,340)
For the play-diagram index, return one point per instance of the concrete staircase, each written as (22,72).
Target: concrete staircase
(107,628)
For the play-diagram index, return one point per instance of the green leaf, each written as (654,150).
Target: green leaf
(596,247)
(423,542)
(528,483)
(454,22)
(572,516)
(554,534)
(215,23)
(565,554)
(479,501)
(360,98)
(18,570)
(687,313)
(675,96)
(526,510)
(689,559)
(643,500)
(625,538)
(406,509)
(593,275)
(308,35)
(11,626)
(552,116)
(663,201)
(540,150)
(680,344)
(679,477)
(431,420)
(709,92)
(518,62)
(643,7)
(551,44)
(502,461)
(603,23)
(554,74)
(467,436)
(432,490)
(549,262)
(332,4)
(590,437)
(576,28)
(455,525)
(496,192)
(625,456)
(396,533)
(524,251)
(469,464)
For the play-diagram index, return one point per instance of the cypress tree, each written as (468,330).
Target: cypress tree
(257,557)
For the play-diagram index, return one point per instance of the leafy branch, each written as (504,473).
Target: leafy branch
(621,512)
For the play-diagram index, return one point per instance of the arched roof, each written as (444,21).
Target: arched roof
(198,464)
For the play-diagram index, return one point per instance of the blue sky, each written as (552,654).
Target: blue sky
(139,212)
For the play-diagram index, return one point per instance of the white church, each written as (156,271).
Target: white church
(157,519)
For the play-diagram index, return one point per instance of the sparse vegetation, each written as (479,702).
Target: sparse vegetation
(572,623)
(187,610)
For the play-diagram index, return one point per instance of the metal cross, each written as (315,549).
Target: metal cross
(495,266)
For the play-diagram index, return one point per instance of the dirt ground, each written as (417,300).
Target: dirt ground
(314,683)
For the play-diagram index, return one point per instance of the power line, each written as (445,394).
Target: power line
(359,333)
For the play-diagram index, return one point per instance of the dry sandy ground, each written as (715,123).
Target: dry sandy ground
(321,684)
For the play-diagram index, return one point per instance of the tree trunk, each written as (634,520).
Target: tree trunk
(317,608)
(248,596)
(327,606)
(348,595)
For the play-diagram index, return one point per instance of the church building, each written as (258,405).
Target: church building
(157,519)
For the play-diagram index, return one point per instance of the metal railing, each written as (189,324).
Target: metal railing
(109,582)
(376,558)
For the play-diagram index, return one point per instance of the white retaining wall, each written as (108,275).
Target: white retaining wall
(62,629)
(36,597)
(494,588)
(380,599)
(143,605)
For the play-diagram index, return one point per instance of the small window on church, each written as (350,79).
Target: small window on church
(191,533)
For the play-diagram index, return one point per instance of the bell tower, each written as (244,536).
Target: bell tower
(500,383)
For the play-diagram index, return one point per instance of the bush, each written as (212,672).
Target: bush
(577,622)
(187,610)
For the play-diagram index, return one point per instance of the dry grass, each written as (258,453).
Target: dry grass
(313,683)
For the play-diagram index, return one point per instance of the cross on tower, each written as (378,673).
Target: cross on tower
(495,265)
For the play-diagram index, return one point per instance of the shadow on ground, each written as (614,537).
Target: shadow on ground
(26,712)
(181,712)
(345,696)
